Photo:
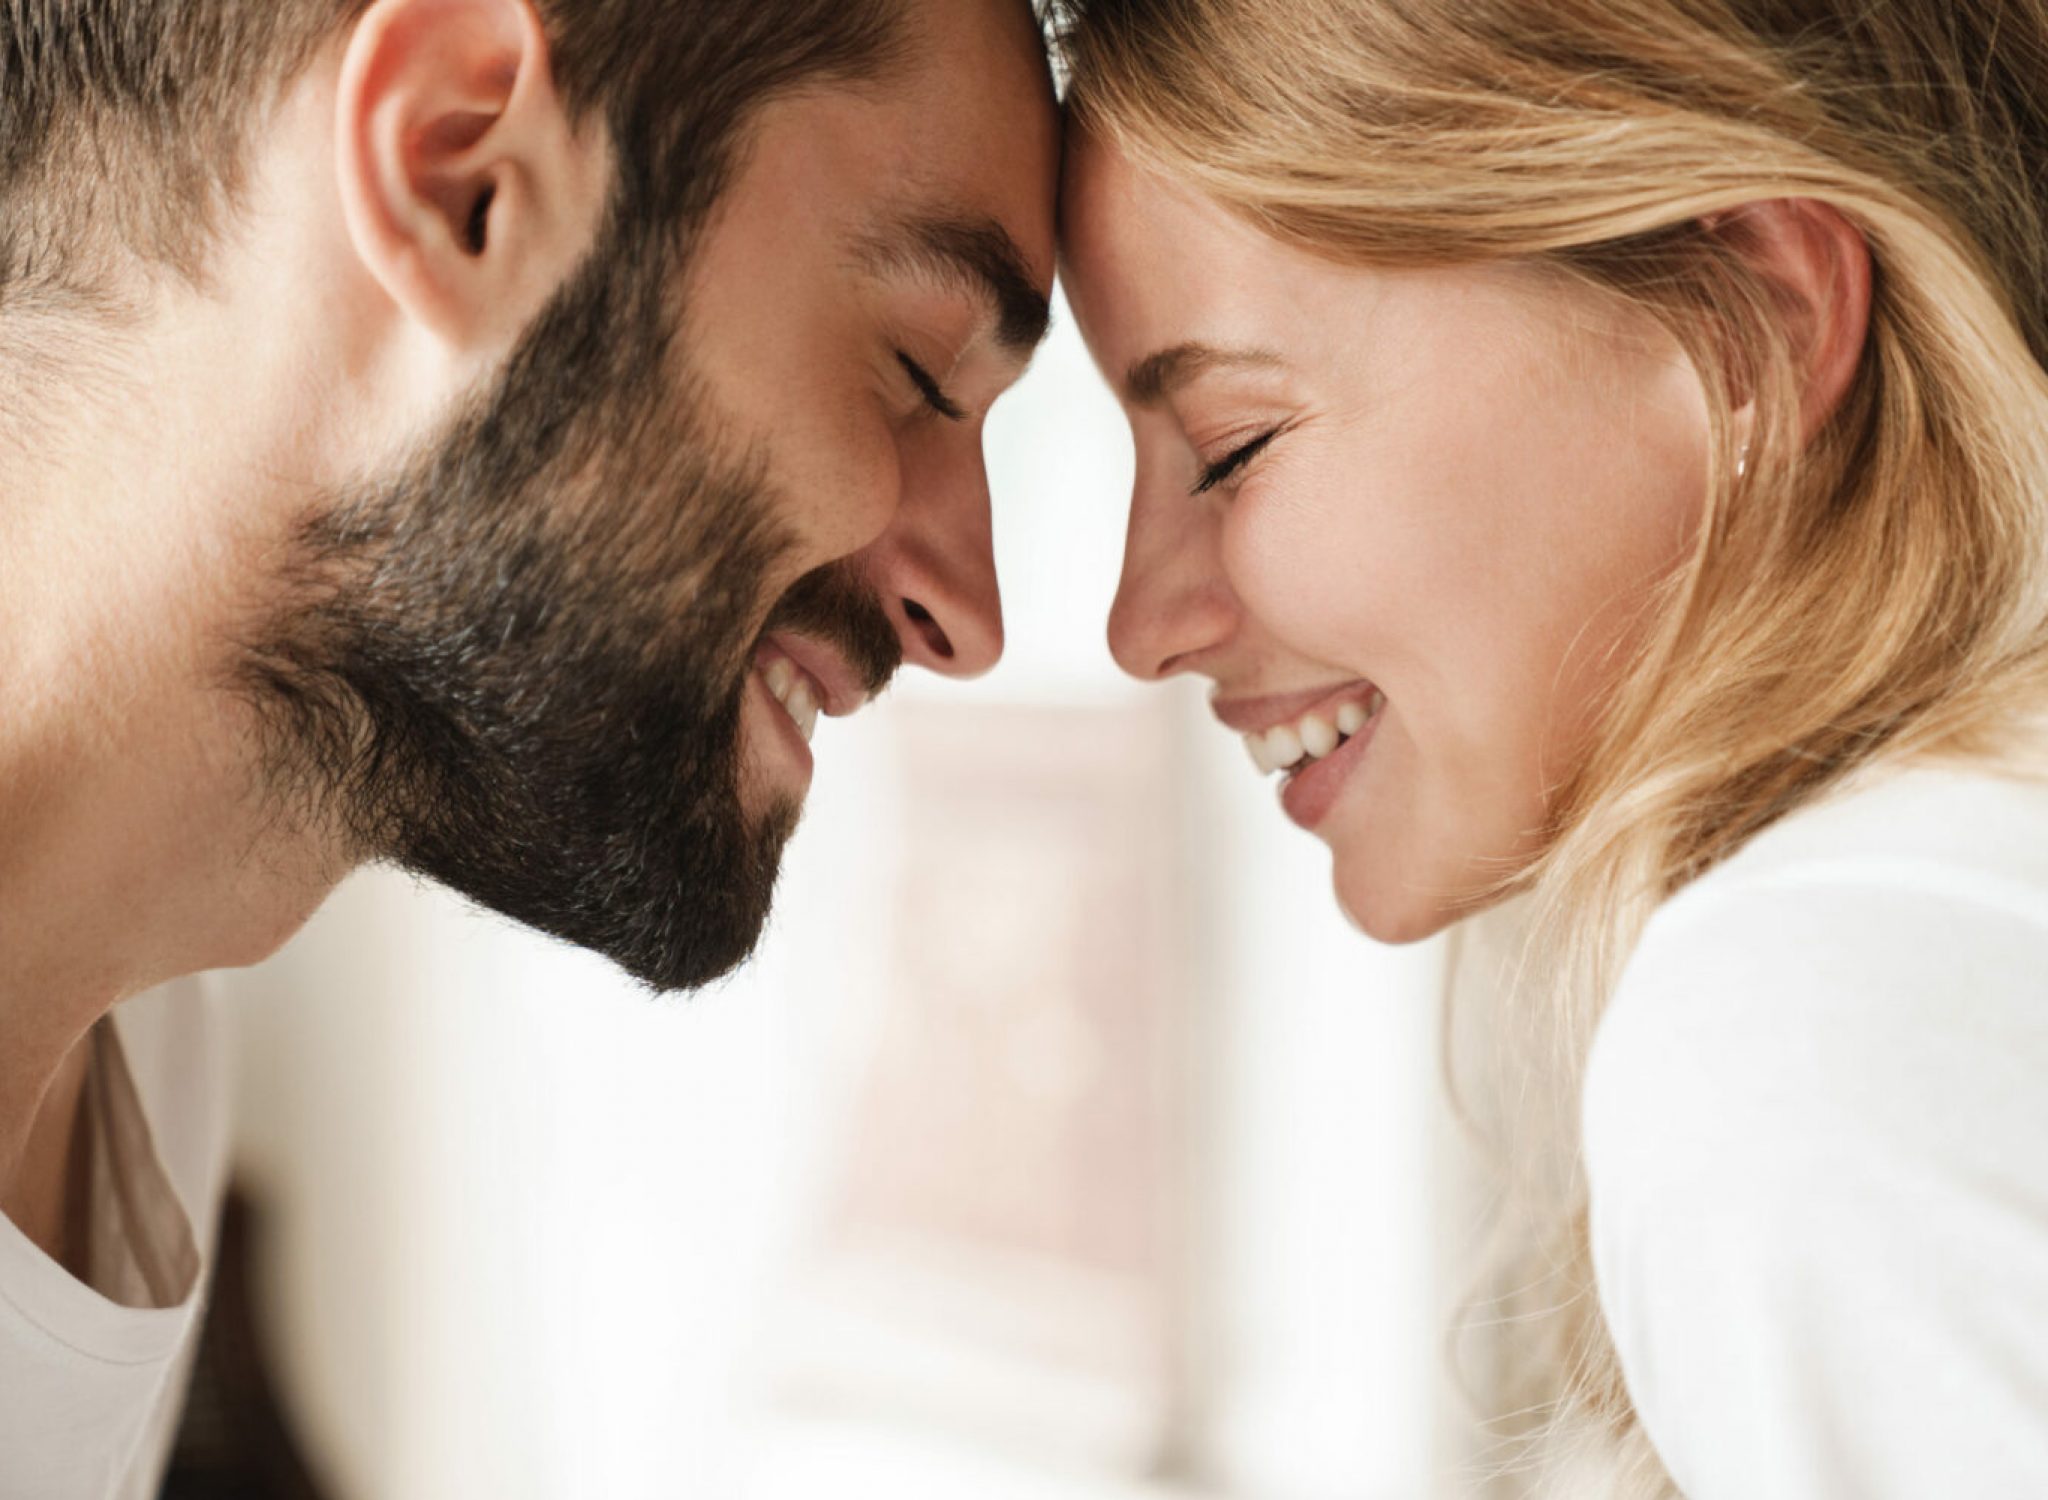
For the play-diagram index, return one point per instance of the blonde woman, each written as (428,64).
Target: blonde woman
(1599,449)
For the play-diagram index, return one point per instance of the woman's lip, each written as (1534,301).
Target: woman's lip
(1308,795)
(1257,715)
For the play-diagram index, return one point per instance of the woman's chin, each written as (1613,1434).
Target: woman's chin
(1390,915)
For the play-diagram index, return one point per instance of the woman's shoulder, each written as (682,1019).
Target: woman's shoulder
(1862,991)
(1953,833)
(1886,941)
(1812,1127)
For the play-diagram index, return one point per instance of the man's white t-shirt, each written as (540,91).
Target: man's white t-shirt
(92,1372)
(1815,1127)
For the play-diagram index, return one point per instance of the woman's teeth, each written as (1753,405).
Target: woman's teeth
(1288,747)
(793,691)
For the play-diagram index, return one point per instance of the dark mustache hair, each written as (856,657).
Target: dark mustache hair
(836,605)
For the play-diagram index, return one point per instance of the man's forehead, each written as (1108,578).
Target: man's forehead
(941,169)
(989,34)
(977,99)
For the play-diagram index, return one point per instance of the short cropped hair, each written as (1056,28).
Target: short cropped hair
(124,123)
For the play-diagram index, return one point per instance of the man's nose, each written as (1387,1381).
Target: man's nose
(934,569)
(1173,603)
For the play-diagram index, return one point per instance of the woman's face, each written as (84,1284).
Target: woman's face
(1407,522)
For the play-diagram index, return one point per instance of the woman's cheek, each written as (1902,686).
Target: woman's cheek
(1296,567)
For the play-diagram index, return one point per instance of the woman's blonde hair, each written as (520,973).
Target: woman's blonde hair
(1877,592)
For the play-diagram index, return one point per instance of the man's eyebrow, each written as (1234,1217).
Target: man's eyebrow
(1157,376)
(976,254)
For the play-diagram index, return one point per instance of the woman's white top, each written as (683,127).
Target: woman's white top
(1816,1137)
(92,1370)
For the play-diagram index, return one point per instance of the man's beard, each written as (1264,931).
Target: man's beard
(517,666)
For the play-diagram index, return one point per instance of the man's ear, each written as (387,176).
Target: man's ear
(466,191)
(1817,264)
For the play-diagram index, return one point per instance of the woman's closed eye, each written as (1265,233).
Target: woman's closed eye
(1230,463)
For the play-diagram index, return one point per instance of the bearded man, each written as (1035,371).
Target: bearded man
(475,435)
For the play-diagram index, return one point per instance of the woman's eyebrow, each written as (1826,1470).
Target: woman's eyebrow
(1157,376)
(975,253)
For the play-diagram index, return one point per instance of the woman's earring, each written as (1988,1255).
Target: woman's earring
(1742,460)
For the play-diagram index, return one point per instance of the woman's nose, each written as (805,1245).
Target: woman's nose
(1173,603)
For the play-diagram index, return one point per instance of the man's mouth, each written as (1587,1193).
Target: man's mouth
(791,687)
(807,678)
(1295,744)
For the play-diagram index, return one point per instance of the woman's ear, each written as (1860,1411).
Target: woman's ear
(467,192)
(1818,265)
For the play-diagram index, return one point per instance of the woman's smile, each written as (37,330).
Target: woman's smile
(1313,747)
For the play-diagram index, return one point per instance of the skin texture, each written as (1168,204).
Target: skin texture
(154,820)
(1479,477)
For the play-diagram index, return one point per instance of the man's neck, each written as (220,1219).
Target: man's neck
(152,475)
(154,471)
(134,844)
(41,1192)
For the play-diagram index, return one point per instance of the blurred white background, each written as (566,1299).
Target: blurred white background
(1061,1144)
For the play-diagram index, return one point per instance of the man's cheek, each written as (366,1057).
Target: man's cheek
(840,483)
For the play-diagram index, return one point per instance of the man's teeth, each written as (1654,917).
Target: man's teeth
(793,691)
(1312,736)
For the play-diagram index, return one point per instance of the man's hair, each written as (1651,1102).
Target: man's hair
(124,123)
